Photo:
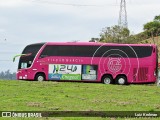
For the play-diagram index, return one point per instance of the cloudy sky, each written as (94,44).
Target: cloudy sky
(24,22)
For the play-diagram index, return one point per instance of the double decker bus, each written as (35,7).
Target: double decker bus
(89,62)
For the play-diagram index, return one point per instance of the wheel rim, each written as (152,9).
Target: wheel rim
(40,78)
(121,81)
(107,80)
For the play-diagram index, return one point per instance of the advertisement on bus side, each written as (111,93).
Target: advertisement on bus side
(64,72)
(72,72)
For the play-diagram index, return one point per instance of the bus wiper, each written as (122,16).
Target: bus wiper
(21,55)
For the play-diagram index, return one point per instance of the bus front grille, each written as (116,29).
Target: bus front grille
(140,74)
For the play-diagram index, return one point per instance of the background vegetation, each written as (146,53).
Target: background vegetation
(118,34)
(7,75)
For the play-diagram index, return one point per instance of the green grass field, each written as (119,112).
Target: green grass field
(73,96)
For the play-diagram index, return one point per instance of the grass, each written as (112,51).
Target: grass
(72,96)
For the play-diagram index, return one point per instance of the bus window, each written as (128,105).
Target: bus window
(23,65)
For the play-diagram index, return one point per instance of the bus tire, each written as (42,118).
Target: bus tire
(107,79)
(121,80)
(40,77)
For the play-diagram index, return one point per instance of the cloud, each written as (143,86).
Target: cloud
(12,3)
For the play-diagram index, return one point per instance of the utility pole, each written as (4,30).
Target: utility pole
(123,15)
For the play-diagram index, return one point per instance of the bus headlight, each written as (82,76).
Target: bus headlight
(20,77)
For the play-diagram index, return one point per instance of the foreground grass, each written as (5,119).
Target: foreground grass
(69,96)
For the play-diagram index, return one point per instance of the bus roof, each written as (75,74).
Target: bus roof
(95,43)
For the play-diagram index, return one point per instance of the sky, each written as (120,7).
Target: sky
(24,22)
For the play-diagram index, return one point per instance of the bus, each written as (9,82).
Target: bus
(108,63)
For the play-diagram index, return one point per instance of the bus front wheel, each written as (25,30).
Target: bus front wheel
(107,79)
(121,80)
(40,77)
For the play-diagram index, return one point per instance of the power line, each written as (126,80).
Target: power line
(71,4)
(5,60)
(8,52)
(11,44)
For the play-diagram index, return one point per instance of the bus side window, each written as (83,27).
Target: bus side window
(23,65)
(30,62)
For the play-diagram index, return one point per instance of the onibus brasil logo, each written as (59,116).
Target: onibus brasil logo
(114,64)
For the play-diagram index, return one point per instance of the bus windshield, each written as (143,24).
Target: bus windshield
(25,61)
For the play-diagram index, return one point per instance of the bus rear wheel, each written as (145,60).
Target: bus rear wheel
(107,79)
(40,77)
(121,80)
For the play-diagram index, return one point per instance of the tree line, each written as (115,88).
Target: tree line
(118,34)
(7,75)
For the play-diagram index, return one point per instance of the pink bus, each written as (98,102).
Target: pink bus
(89,62)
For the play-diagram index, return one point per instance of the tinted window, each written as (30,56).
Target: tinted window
(60,50)
(125,51)
(33,49)
(97,51)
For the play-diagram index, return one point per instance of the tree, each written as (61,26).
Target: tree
(94,40)
(2,75)
(157,18)
(7,75)
(153,28)
(114,34)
